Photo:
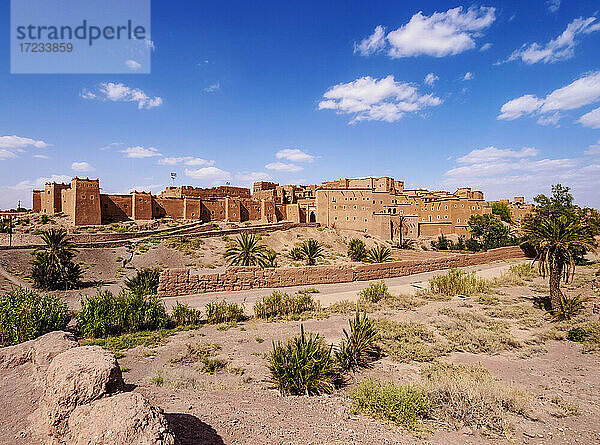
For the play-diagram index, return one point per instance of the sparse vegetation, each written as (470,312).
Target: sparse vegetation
(119,343)
(195,353)
(303,365)
(457,282)
(587,333)
(570,307)
(565,408)
(374,293)
(357,251)
(223,312)
(358,345)
(404,342)
(280,304)
(184,315)
(144,282)
(26,314)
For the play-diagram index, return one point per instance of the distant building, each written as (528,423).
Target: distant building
(379,206)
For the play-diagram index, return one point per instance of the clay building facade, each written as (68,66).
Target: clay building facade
(378,206)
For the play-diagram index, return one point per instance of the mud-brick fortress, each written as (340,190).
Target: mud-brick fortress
(378,206)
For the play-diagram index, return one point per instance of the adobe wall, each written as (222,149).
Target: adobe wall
(37,201)
(115,207)
(142,206)
(177,282)
(172,207)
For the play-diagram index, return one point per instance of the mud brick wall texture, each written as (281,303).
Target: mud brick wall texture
(177,282)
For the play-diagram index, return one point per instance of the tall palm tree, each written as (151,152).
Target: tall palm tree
(53,267)
(556,238)
(312,251)
(246,252)
(379,254)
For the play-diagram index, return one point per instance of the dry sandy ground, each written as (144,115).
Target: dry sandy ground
(235,407)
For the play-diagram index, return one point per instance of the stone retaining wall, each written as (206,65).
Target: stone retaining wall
(177,282)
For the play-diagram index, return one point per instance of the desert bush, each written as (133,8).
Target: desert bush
(564,408)
(374,293)
(189,246)
(145,281)
(405,342)
(106,314)
(25,314)
(588,334)
(295,253)
(223,312)
(213,365)
(458,282)
(311,251)
(280,304)
(473,332)
(195,353)
(357,251)
(379,254)
(183,315)
(402,404)
(303,365)
(468,395)
(516,275)
(569,307)
(358,346)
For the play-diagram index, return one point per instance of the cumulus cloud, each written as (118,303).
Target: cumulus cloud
(294,155)
(11,145)
(430,79)
(118,92)
(284,167)
(208,174)
(139,152)
(441,34)
(468,76)
(560,48)
(591,119)
(82,167)
(213,88)
(504,173)
(185,160)
(133,65)
(376,99)
(581,92)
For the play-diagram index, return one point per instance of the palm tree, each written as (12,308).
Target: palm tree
(58,245)
(379,254)
(312,251)
(357,251)
(555,239)
(246,252)
(53,267)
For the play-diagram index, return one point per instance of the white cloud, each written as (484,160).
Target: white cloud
(376,99)
(485,46)
(253,176)
(11,145)
(593,150)
(583,91)
(504,173)
(139,152)
(494,154)
(208,174)
(41,156)
(82,167)
(133,65)
(186,160)
(591,119)
(430,79)
(111,145)
(213,88)
(441,34)
(560,48)
(11,194)
(553,5)
(118,92)
(283,167)
(372,44)
(468,76)
(6,154)
(294,155)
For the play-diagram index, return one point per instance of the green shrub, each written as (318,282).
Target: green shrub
(587,333)
(357,251)
(106,314)
(379,254)
(374,293)
(145,281)
(213,365)
(458,282)
(280,304)
(303,365)
(358,346)
(25,315)
(311,251)
(296,253)
(223,312)
(53,267)
(184,315)
(569,307)
(402,404)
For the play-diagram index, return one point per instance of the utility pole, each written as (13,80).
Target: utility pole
(173,176)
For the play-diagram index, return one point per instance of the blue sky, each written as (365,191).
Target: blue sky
(502,96)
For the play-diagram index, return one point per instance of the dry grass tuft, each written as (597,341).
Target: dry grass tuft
(405,342)
(457,282)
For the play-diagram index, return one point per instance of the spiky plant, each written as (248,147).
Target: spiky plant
(379,254)
(357,251)
(295,253)
(312,251)
(53,266)
(246,251)
(358,346)
(569,307)
(144,282)
(270,259)
(556,239)
(303,365)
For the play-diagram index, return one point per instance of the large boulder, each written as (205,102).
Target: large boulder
(123,419)
(77,377)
